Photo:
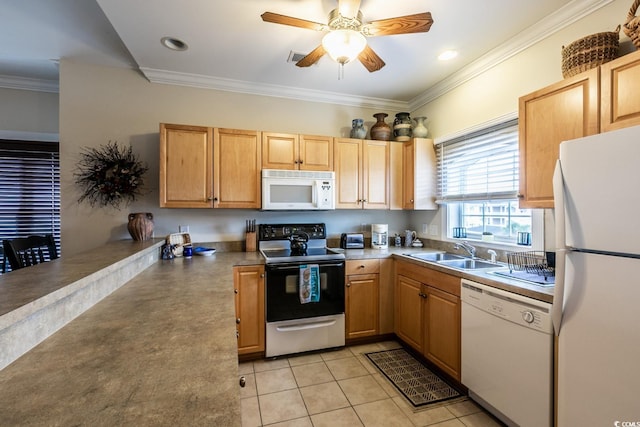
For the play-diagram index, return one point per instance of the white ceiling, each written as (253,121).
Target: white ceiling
(231,48)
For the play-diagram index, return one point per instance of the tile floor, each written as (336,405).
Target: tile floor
(340,388)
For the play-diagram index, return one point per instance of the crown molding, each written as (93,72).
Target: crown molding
(27,83)
(264,89)
(551,24)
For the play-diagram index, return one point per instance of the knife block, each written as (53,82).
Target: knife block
(250,241)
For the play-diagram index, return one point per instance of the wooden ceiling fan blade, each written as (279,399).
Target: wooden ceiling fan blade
(370,59)
(418,23)
(312,57)
(349,8)
(294,22)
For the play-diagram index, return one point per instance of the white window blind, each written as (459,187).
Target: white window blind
(480,166)
(29,189)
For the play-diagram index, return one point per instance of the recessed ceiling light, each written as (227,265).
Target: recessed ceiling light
(447,55)
(173,43)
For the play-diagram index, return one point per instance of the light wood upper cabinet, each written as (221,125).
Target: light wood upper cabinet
(362,174)
(562,111)
(291,152)
(186,166)
(237,161)
(620,92)
(419,174)
(248,282)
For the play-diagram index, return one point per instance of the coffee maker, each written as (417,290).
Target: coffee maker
(380,236)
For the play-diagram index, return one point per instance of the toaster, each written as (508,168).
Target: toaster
(352,241)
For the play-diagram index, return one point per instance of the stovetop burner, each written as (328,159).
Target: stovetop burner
(275,245)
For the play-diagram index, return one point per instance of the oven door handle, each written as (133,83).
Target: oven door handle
(303,326)
(297,266)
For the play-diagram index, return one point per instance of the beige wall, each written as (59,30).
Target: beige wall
(99,104)
(28,111)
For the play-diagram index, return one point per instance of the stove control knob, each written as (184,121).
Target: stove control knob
(528,316)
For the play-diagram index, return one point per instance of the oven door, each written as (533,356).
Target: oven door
(282,291)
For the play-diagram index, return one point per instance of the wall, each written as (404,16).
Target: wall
(495,92)
(99,104)
(27,111)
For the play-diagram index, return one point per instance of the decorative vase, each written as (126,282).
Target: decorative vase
(357,129)
(402,127)
(420,130)
(140,225)
(380,131)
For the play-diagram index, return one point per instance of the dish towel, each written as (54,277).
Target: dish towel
(309,288)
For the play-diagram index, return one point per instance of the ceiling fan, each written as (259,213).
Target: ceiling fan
(346,33)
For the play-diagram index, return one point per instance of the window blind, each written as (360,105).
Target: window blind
(483,165)
(29,189)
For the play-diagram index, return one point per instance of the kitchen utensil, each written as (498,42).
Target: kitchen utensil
(250,235)
(187,251)
(298,243)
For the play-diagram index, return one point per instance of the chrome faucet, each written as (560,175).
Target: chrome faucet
(467,247)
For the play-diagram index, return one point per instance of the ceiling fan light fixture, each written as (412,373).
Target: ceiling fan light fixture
(344,45)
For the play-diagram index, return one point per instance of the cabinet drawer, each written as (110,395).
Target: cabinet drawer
(362,266)
(443,281)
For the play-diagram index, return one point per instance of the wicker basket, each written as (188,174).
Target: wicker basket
(632,27)
(178,241)
(590,52)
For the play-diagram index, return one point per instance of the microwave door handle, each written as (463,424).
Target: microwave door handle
(314,194)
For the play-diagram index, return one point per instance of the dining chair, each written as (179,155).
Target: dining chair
(27,251)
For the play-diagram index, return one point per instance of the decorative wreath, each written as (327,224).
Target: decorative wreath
(109,175)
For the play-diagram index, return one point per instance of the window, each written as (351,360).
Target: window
(478,182)
(30,189)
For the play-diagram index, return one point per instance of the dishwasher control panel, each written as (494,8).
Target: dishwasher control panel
(524,311)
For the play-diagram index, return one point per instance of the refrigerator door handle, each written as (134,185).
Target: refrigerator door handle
(561,252)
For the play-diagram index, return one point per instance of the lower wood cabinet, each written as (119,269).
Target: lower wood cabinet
(361,298)
(427,314)
(248,282)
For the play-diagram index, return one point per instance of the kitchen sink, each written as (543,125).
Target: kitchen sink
(436,256)
(468,264)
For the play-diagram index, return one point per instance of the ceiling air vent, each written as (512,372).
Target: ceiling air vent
(295,56)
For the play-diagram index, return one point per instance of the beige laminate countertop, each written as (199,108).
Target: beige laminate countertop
(160,350)
(542,293)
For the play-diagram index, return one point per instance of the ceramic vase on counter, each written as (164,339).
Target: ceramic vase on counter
(140,225)
(381,131)
(357,129)
(402,127)
(420,130)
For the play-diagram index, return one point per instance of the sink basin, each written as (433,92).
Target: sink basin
(436,256)
(468,264)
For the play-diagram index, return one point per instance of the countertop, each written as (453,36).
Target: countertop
(157,351)
(542,293)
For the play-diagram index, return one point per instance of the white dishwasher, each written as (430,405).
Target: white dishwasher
(507,354)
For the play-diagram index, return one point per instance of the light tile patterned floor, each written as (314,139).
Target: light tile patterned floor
(340,388)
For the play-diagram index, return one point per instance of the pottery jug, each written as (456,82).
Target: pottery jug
(402,127)
(420,130)
(380,131)
(140,225)
(357,129)
(409,237)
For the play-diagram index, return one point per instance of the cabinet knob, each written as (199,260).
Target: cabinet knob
(235,291)
(300,161)
(348,284)
(237,334)
(362,266)
(215,199)
(262,276)
(422,295)
(238,321)
(411,200)
(209,199)
(520,196)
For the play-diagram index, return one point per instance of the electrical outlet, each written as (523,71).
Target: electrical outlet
(424,229)
(433,230)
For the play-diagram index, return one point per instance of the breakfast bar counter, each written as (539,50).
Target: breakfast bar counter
(159,350)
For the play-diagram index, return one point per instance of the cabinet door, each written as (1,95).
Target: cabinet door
(408,311)
(419,166)
(396,172)
(619,88)
(408,182)
(375,174)
(385,296)
(348,173)
(361,305)
(237,169)
(565,110)
(442,331)
(186,159)
(316,153)
(249,297)
(280,151)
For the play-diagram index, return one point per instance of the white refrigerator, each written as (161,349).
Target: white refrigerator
(596,306)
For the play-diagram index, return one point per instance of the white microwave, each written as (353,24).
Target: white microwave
(298,190)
